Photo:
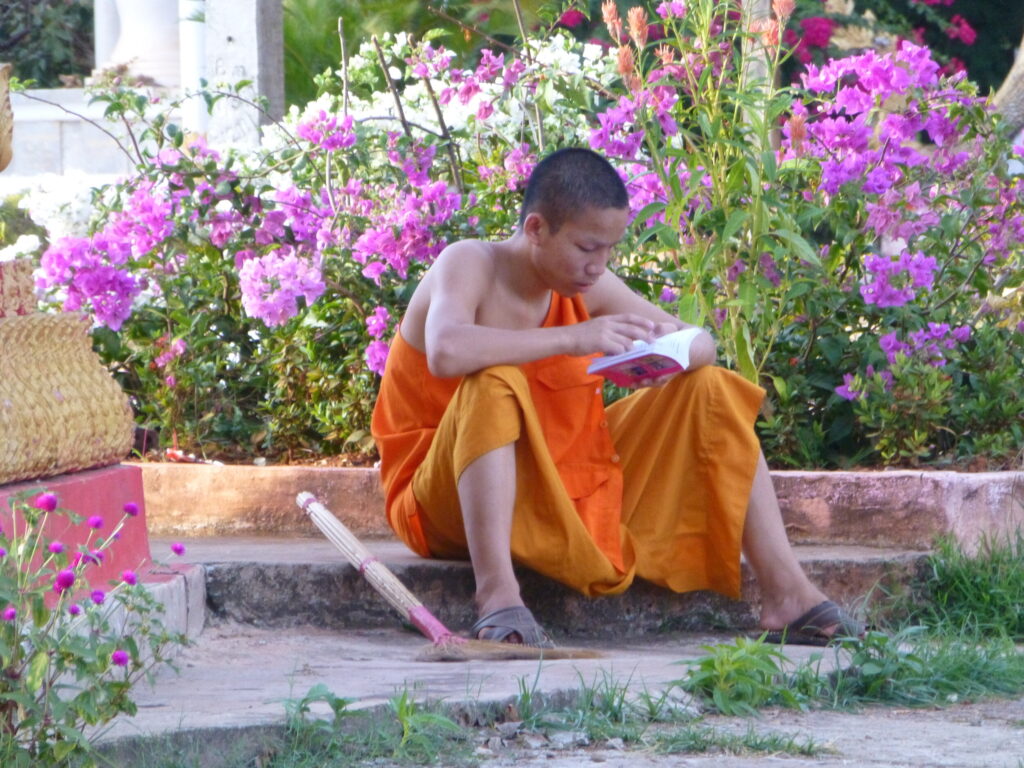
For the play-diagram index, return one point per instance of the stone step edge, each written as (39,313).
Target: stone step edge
(285,590)
(900,508)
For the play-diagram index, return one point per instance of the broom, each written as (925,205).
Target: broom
(445,645)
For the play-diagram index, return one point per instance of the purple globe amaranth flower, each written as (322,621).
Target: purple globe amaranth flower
(98,596)
(131,509)
(3,553)
(178,548)
(119,658)
(64,580)
(56,547)
(129,577)
(74,609)
(95,521)
(45,501)
(10,613)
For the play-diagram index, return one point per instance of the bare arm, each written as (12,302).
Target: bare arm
(611,296)
(456,344)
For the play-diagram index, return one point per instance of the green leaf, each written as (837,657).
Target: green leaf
(800,245)
(732,225)
(37,669)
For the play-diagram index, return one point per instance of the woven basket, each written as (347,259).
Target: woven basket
(60,411)
(6,117)
(16,294)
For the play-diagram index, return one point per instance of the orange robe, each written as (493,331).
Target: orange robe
(655,486)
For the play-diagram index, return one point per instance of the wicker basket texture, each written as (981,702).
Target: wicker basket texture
(6,118)
(60,410)
(16,294)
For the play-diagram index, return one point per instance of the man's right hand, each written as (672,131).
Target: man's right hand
(609,334)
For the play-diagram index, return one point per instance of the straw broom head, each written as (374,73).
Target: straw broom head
(445,645)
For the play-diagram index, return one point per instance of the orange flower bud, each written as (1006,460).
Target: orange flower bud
(612,20)
(797,131)
(768,30)
(626,63)
(666,54)
(783,8)
(637,17)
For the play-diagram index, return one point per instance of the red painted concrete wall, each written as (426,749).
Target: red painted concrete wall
(102,492)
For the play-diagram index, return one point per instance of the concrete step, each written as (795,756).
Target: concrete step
(289,582)
(899,509)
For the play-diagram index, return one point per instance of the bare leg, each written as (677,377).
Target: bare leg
(786,592)
(487,494)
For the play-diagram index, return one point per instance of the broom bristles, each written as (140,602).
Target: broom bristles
(445,645)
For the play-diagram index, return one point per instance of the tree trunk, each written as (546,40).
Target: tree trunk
(6,117)
(1009,99)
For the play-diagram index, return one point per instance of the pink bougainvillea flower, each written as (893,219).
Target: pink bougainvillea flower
(45,501)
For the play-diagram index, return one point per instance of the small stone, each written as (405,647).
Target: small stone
(483,752)
(615,743)
(569,739)
(495,744)
(533,741)
(598,759)
(509,729)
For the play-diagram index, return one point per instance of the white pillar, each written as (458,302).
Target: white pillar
(106,29)
(192,37)
(148,40)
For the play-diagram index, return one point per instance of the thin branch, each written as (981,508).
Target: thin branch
(391,87)
(453,159)
(529,58)
(344,66)
(89,120)
(468,28)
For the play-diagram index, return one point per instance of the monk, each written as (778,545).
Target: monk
(495,443)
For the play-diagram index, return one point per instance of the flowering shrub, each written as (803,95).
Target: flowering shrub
(70,651)
(818,228)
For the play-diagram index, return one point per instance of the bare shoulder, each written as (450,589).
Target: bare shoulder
(475,257)
(455,284)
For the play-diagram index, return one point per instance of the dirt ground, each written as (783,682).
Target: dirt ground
(989,734)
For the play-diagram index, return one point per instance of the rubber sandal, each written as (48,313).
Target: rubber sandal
(517,620)
(809,628)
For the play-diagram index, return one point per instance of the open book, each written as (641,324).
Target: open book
(665,355)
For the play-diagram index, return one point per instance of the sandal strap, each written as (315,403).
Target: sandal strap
(499,625)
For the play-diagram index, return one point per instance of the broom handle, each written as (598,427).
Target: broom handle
(380,577)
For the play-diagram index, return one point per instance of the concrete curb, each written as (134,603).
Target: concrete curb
(288,583)
(903,508)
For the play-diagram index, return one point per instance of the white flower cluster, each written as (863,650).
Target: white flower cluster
(25,245)
(61,204)
(585,68)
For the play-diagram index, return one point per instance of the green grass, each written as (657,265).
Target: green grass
(699,739)
(980,592)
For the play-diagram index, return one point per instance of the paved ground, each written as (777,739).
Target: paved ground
(236,678)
